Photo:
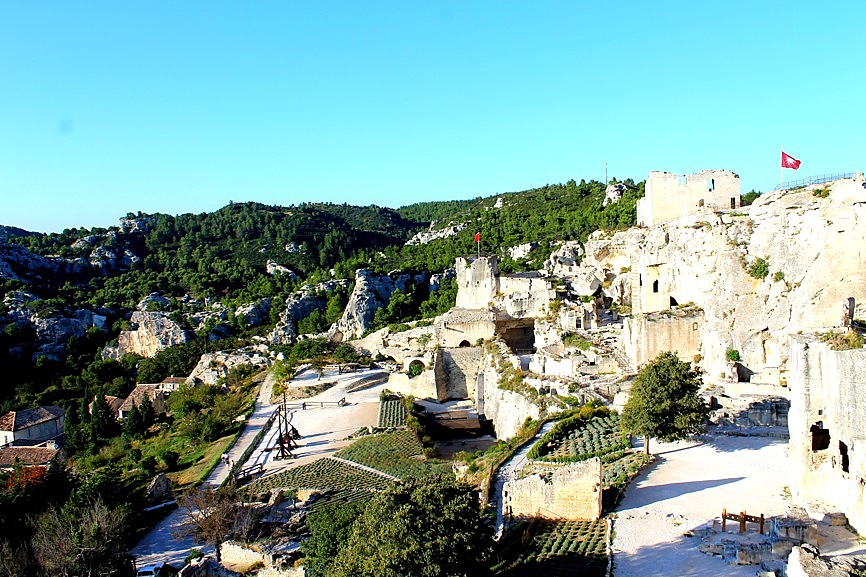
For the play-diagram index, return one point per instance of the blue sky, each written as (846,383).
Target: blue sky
(175,107)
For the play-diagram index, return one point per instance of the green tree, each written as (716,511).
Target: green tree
(330,527)
(133,423)
(664,402)
(426,526)
(103,426)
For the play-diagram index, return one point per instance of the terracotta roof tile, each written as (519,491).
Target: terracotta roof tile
(27,455)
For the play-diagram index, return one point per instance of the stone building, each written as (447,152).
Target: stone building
(669,196)
(31,425)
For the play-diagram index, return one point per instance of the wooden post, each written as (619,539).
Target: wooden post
(742,522)
(762,523)
(724,520)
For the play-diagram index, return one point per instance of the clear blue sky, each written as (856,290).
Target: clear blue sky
(180,107)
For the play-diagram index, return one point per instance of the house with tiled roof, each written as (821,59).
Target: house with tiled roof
(172,383)
(155,393)
(31,426)
(39,456)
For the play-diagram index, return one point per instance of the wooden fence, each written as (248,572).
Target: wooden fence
(742,519)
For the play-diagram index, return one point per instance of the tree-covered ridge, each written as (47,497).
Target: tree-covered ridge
(554,212)
(439,210)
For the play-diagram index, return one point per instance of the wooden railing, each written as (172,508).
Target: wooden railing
(742,519)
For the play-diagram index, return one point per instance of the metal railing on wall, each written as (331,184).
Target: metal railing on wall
(820,179)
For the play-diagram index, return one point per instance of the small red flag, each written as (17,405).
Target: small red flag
(478,234)
(789,161)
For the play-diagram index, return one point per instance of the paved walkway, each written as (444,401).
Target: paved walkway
(161,544)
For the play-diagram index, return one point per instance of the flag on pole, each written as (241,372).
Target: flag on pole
(478,234)
(789,161)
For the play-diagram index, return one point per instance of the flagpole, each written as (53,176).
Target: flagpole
(781,167)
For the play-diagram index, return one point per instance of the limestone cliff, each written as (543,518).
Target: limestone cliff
(153,332)
(371,293)
(299,305)
(811,244)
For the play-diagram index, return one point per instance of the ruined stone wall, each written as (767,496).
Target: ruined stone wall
(645,336)
(460,370)
(424,386)
(827,391)
(670,196)
(477,282)
(506,409)
(525,296)
(571,492)
(464,327)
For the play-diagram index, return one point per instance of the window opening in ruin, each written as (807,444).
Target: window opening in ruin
(733,203)
(674,302)
(655,286)
(682,180)
(667,238)
(640,280)
(464,344)
(820,437)
(843,451)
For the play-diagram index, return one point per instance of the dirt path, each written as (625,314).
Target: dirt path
(161,544)
(324,432)
(685,488)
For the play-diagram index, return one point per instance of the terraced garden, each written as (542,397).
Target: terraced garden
(397,453)
(324,474)
(619,468)
(554,549)
(392,414)
(576,439)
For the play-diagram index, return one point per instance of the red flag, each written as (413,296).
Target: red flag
(789,161)
(478,234)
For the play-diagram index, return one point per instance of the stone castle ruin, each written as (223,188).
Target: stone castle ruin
(736,291)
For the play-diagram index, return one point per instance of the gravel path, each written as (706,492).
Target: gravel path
(161,544)
(509,471)
(686,488)
(324,432)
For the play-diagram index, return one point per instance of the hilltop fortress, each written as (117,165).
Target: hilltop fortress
(745,293)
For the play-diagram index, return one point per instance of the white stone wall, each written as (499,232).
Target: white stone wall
(645,336)
(572,492)
(828,387)
(477,282)
(669,196)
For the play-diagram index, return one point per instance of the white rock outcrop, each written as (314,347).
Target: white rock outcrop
(371,293)
(212,367)
(153,332)
(431,235)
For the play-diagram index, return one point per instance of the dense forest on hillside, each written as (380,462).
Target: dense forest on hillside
(222,256)
(199,263)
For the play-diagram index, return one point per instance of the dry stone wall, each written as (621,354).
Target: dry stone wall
(571,492)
